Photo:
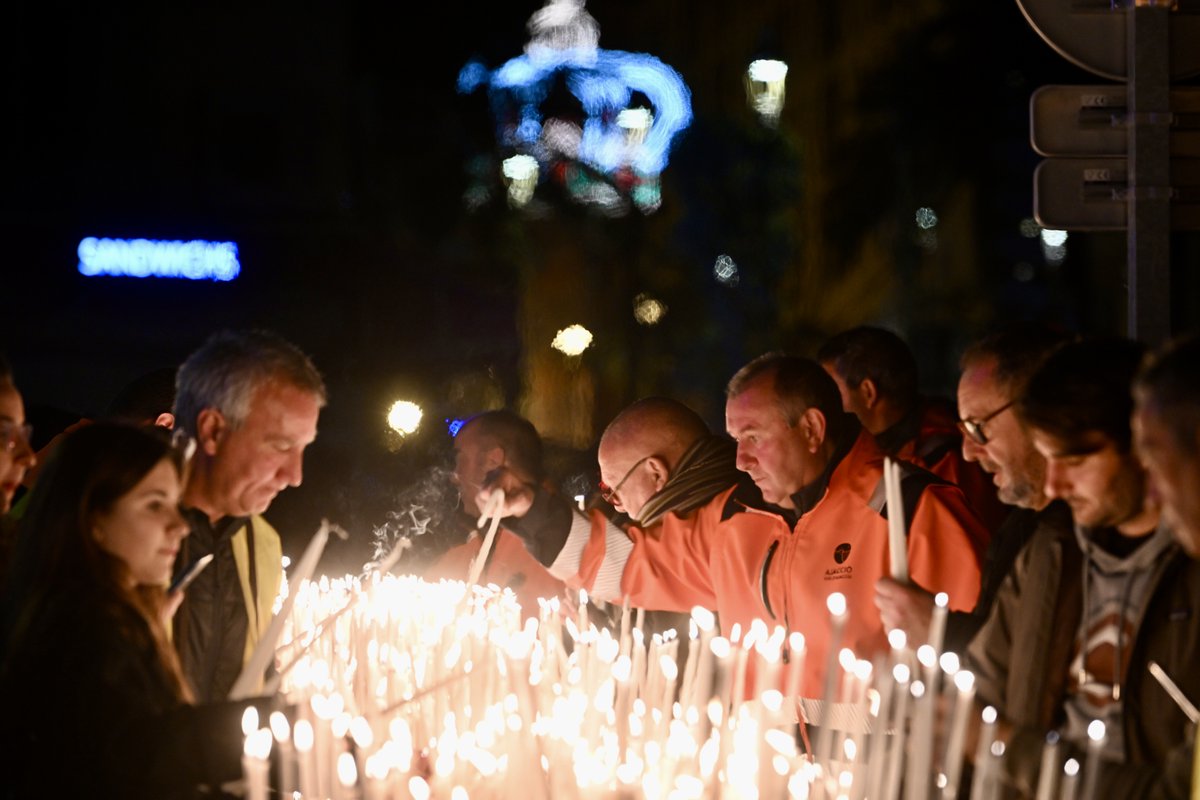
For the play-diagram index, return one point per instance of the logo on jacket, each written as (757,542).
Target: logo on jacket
(841,552)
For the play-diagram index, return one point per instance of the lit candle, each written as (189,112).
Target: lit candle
(494,503)
(255,764)
(700,690)
(1049,772)
(937,621)
(836,603)
(249,682)
(1095,752)
(965,683)
(895,755)
(918,771)
(1070,781)
(876,757)
(287,753)
(347,772)
(987,735)
(303,736)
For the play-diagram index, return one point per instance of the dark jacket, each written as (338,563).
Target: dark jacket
(1020,658)
(89,711)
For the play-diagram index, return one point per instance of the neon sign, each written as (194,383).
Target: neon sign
(196,260)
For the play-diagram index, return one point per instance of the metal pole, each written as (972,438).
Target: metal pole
(1148,243)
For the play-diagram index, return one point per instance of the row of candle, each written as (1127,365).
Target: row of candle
(408,689)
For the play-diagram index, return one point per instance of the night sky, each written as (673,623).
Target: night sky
(329,142)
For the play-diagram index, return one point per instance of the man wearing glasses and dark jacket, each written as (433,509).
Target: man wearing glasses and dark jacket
(995,371)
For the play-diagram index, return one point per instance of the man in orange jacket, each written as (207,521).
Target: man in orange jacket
(816,525)
(876,373)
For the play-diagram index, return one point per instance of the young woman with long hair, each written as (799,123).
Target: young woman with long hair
(92,694)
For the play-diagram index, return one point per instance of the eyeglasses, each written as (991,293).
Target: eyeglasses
(974,427)
(11,434)
(610,495)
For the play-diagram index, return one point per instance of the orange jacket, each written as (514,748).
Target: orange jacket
(747,563)
(938,448)
(510,566)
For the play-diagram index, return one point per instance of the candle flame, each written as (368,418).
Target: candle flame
(347,770)
(304,736)
(280,728)
(927,656)
(258,744)
(836,603)
(249,720)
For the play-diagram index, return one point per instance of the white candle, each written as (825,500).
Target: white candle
(255,765)
(987,734)
(1048,774)
(836,603)
(921,764)
(304,747)
(937,621)
(494,504)
(897,536)
(700,691)
(895,755)
(876,757)
(965,683)
(1070,781)
(287,754)
(1095,753)
(347,772)
(249,681)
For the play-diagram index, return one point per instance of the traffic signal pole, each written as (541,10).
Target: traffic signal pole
(1148,206)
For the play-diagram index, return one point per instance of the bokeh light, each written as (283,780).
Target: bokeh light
(404,417)
(647,310)
(725,270)
(572,340)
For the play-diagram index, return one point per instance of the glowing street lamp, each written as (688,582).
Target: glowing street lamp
(764,85)
(521,175)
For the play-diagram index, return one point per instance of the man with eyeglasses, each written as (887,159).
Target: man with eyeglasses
(1084,611)
(995,371)
(816,525)
(673,528)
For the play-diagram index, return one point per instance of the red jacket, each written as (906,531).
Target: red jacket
(747,563)
(938,448)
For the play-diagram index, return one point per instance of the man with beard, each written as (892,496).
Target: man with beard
(1084,611)
(995,371)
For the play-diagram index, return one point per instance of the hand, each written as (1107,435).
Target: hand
(518,494)
(904,606)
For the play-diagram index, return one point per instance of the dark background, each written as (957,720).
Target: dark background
(328,140)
